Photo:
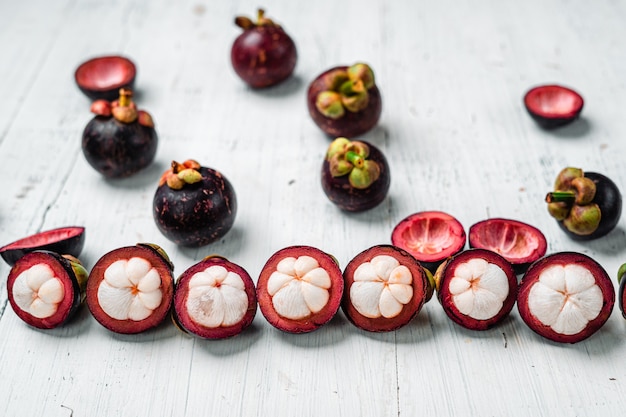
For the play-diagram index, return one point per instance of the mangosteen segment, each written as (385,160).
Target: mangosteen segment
(553,106)
(38,291)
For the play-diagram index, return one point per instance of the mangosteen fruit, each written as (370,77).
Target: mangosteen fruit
(299,289)
(565,297)
(385,288)
(264,54)
(194,205)
(552,105)
(102,77)
(587,205)
(45,289)
(130,289)
(622,289)
(355,175)
(477,288)
(67,240)
(120,140)
(519,243)
(345,101)
(430,236)
(214,299)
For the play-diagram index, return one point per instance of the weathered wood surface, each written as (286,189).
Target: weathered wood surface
(452,76)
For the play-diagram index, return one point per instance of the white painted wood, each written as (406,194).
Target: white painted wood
(452,74)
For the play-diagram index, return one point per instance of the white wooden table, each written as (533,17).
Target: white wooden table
(452,75)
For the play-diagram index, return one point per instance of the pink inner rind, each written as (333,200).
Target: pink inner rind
(553,101)
(105,73)
(45,238)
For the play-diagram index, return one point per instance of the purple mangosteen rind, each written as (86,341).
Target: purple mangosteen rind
(531,277)
(68,240)
(84,76)
(552,120)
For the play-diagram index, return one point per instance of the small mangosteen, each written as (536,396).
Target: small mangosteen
(194,205)
(214,299)
(430,236)
(552,106)
(264,54)
(565,297)
(385,288)
(65,240)
(477,288)
(130,289)
(622,289)
(120,140)
(587,205)
(101,78)
(519,243)
(45,288)
(345,101)
(299,289)
(355,175)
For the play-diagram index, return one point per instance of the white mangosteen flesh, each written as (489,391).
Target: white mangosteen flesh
(38,291)
(565,298)
(299,287)
(130,290)
(381,287)
(479,288)
(217,297)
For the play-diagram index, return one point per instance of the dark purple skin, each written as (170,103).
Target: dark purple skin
(116,149)
(345,196)
(197,214)
(65,240)
(621,297)
(351,124)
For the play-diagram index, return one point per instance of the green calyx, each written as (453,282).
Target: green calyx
(620,273)
(346,90)
(180,174)
(347,157)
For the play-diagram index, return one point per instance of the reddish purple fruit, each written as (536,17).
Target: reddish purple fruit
(345,101)
(565,297)
(622,289)
(477,288)
(120,140)
(430,236)
(264,54)
(519,243)
(300,289)
(64,240)
(552,106)
(130,289)
(214,299)
(355,175)
(385,288)
(587,205)
(45,288)
(194,205)
(101,78)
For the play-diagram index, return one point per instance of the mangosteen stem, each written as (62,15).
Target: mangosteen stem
(561,197)
(355,159)
(125,97)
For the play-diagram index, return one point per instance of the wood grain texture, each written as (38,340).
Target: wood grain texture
(452,75)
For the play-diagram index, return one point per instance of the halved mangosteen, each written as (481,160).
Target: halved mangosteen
(566,297)
(385,288)
(519,243)
(131,289)
(477,288)
(553,105)
(45,288)
(63,240)
(300,289)
(430,236)
(214,299)
(622,289)
(102,77)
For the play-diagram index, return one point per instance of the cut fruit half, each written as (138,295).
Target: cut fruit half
(102,77)
(553,105)
(64,240)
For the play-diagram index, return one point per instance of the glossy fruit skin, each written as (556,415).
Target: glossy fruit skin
(504,236)
(116,149)
(158,261)
(102,77)
(421,290)
(346,197)
(64,240)
(197,214)
(181,292)
(609,199)
(351,124)
(263,56)
(316,320)
(73,287)
(622,297)
(565,258)
(541,97)
(402,236)
(446,271)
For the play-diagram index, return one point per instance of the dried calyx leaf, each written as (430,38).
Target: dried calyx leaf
(246,23)
(345,90)
(124,110)
(180,174)
(347,157)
